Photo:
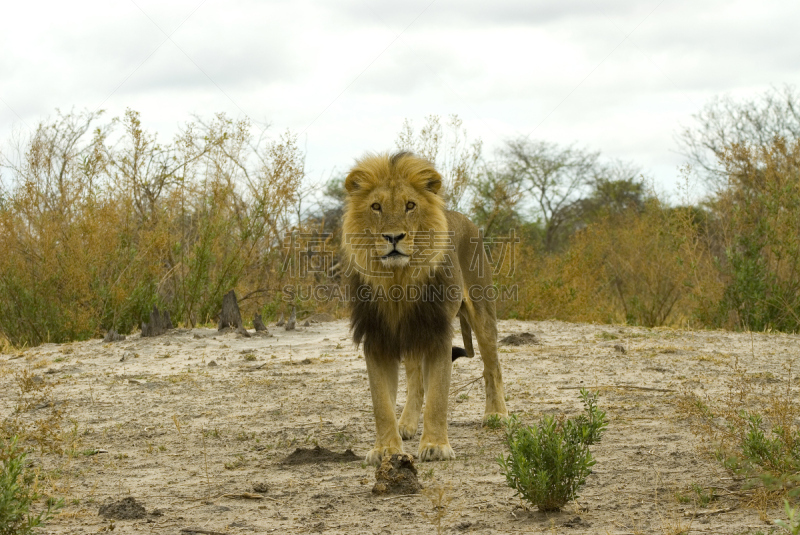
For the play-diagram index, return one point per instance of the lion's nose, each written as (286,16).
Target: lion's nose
(394,239)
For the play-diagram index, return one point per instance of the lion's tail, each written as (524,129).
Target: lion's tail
(466,334)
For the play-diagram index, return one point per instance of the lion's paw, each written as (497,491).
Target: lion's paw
(376,454)
(407,431)
(436,452)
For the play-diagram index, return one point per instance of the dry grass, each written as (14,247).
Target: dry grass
(100,225)
(645,268)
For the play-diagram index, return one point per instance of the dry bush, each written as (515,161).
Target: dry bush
(556,286)
(656,264)
(446,147)
(751,429)
(646,268)
(96,225)
(757,226)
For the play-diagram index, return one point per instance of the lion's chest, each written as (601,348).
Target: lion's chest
(403,321)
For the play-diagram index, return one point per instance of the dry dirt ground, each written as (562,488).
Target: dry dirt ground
(195,426)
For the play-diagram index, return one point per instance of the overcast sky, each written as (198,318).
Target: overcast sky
(616,76)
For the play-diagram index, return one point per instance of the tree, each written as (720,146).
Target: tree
(615,190)
(758,223)
(448,148)
(725,122)
(551,177)
(495,201)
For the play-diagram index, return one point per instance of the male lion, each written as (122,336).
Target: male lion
(411,266)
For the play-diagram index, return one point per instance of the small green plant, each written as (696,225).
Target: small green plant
(549,462)
(699,495)
(440,498)
(428,474)
(754,431)
(793,515)
(17,493)
(238,462)
(593,423)
(494,421)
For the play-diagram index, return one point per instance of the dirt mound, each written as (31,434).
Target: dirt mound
(396,475)
(322,317)
(522,339)
(124,509)
(319,455)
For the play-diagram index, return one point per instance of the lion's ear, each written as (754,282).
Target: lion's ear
(434,182)
(353,181)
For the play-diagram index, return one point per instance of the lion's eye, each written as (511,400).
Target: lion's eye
(376,207)
(410,205)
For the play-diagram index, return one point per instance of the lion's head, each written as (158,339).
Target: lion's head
(393,218)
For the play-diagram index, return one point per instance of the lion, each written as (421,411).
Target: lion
(411,267)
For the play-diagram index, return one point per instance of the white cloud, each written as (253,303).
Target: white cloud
(618,76)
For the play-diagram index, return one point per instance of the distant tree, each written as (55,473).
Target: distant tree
(496,197)
(724,122)
(327,214)
(549,177)
(566,187)
(615,190)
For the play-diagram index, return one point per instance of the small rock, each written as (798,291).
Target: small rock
(213,363)
(576,522)
(620,348)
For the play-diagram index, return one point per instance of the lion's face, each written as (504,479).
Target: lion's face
(393,211)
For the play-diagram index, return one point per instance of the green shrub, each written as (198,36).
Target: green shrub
(793,515)
(593,423)
(17,493)
(549,462)
(753,431)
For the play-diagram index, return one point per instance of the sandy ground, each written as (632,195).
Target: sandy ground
(194,425)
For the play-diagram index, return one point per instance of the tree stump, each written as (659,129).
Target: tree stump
(113,336)
(281,322)
(290,325)
(258,324)
(159,323)
(230,315)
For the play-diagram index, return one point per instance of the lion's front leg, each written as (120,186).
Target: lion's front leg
(434,445)
(415,392)
(382,374)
